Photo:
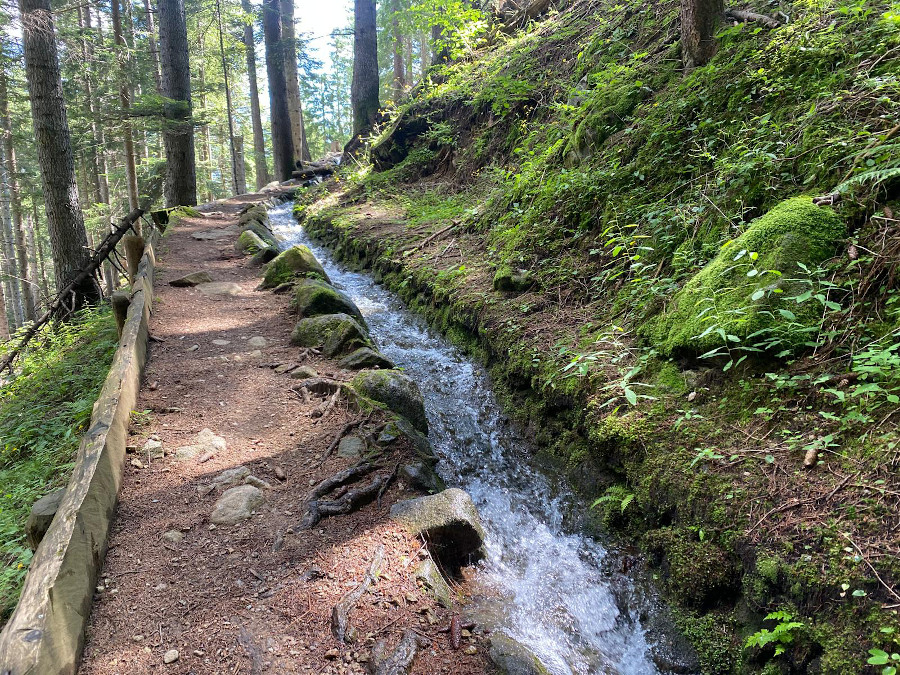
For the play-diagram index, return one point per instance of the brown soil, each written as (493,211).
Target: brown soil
(253,597)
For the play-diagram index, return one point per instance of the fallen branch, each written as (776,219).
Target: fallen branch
(744,15)
(102,253)
(340,615)
(399,661)
(427,240)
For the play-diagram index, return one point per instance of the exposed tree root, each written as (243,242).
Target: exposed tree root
(349,475)
(399,661)
(350,502)
(340,615)
(347,428)
(743,15)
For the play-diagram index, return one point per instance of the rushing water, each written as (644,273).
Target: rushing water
(543,584)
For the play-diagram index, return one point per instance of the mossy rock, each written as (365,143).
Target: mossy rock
(253,212)
(334,333)
(261,231)
(510,280)
(249,243)
(513,658)
(365,358)
(314,298)
(298,260)
(395,390)
(729,295)
(698,574)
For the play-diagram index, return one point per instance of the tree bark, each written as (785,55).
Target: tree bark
(259,141)
(698,26)
(399,70)
(235,159)
(12,287)
(65,221)
(282,142)
(364,88)
(178,137)
(90,113)
(26,283)
(240,176)
(154,48)
(295,106)
(122,60)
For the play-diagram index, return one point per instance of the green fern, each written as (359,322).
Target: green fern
(883,164)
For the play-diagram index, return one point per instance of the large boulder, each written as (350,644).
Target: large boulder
(334,333)
(249,243)
(449,523)
(236,505)
(262,232)
(395,390)
(513,658)
(314,298)
(297,261)
(365,358)
(42,513)
(744,295)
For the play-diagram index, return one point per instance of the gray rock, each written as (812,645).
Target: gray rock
(365,358)
(219,288)
(257,482)
(236,505)
(513,280)
(351,447)
(303,373)
(249,243)
(420,476)
(395,390)
(170,656)
(514,658)
(173,536)
(258,342)
(153,449)
(205,441)
(401,427)
(449,523)
(42,513)
(231,477)
(315,298)
(334,333)
(434,583)
(192,279)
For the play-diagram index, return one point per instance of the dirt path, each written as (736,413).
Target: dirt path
(251,597)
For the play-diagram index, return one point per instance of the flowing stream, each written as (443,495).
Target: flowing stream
(543,583)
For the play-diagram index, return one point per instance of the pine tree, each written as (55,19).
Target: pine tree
(364,91)
(282,143)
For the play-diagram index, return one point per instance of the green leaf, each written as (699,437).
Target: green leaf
(878,657)
(788,314)
(757,295)
(630,396)
(859,593)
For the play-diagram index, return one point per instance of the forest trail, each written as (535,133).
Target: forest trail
(250,597)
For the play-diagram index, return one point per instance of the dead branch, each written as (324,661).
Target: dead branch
(340,615)
(874,571)
(399,661)
(323,410)
(427,240)
(744,15)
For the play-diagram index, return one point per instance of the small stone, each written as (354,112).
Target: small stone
(221,343)
(173,536)
(219,288)
(411,598)
(153,449)
(258,342)
(351,447)
(170,656)
(303,373)
(279,473)
(236,504)
(192,348)
(332,654)
(137,464)
(284,367)
(312,481)
(465,633)
(137,638)
(257,482)
(255,354)
(199,652)
(470,650)
(192,279)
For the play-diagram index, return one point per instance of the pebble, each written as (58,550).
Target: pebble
(332,654)
(221,343)
(470,650)
(170,656)
(173,536)
(136,463)
(193,348)
(258,342)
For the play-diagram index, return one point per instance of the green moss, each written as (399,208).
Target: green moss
(313,297)
(249,243)
(296,261)
(739,292)
(43,412)
(336,334)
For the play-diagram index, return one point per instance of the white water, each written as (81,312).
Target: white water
(543,585)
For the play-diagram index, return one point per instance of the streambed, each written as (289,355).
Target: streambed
(544,583)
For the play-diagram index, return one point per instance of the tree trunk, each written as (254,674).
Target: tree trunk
(154,48)
(12,288)
(698,26)
(15,202)
(259,141)
(90,113)
(295,106)
(282,142)
(238,189)
(424,55)
(399,71)
(205,136)
(178,138)
(41,258)
(39,288)
(240,176)
(65,222)
(439,48)
(123,59)
(364,88)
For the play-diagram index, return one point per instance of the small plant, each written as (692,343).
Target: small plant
(615,494)
(879,657)
(782,635)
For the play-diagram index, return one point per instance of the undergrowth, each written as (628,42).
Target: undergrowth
(43,412)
